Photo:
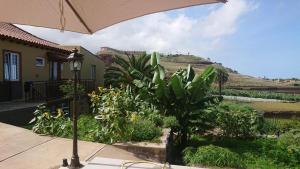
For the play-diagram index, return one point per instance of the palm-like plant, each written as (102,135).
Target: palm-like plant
(125,71)
(221,78)
(184,95)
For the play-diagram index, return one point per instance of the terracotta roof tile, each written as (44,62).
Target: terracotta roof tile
(11,31)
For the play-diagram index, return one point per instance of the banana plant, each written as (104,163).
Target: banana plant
(183,95)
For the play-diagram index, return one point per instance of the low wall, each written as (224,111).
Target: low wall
(19,117)
(151,151)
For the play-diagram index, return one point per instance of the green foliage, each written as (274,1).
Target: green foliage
(291,137)
(212,156)
(238,120)
(256,153)
(125,71)
(182,96)
(206,119)
(260,94)
(154,116)
(170,122)
(68,89)
(88,128)
(113,108)
(48,123)
(221,77)
(279,126)
(144,130)
(120,112)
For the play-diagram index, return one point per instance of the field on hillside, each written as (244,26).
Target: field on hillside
(276,106)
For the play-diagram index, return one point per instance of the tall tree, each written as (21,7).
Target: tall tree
(221,78)
(124,71)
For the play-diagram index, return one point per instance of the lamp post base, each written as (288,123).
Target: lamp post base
(75,163)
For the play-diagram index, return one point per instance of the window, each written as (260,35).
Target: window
(39,61)
(11,66)
(93,72)
(54,70)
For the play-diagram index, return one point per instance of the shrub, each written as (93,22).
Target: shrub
(88,128)
(144,130)
(255,153)
(170,122)
(274,125)
(55,123)
(237,120)
(156,118)
(212,156)
(289,148)
(122,115)
(68,89)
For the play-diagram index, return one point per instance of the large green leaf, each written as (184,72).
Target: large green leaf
(201,84)
(121,62)
(159,73)
(177,86)
(154,59)
(155,77)
(190,73)
(161,91)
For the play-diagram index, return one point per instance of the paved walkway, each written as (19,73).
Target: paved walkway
(23,149)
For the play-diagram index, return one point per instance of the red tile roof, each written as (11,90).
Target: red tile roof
(11,31)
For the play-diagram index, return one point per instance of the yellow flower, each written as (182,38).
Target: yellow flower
(47,115)
(59,113)
(133,117)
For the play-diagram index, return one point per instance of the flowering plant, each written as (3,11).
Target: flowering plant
(50,123)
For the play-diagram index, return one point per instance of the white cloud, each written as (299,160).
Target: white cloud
(160,32)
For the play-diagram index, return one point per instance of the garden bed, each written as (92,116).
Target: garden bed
(152,151)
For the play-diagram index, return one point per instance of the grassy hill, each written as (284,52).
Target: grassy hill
(173,62)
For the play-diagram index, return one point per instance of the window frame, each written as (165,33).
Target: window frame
(19,68)
(40,65)
(93,70)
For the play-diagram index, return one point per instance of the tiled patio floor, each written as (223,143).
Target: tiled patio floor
(22,149)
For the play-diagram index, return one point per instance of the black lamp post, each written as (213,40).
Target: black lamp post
(75,60)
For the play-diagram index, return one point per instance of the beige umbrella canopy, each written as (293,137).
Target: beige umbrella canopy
(84,16)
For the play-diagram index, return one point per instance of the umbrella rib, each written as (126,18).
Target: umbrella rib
(79,17)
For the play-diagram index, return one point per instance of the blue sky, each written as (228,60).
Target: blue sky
(254,37)
(267,41)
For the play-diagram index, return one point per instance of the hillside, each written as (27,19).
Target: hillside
(174,62)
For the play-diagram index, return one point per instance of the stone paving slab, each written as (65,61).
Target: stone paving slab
(108,163)
(110,151)
(15,140)
(50,154)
